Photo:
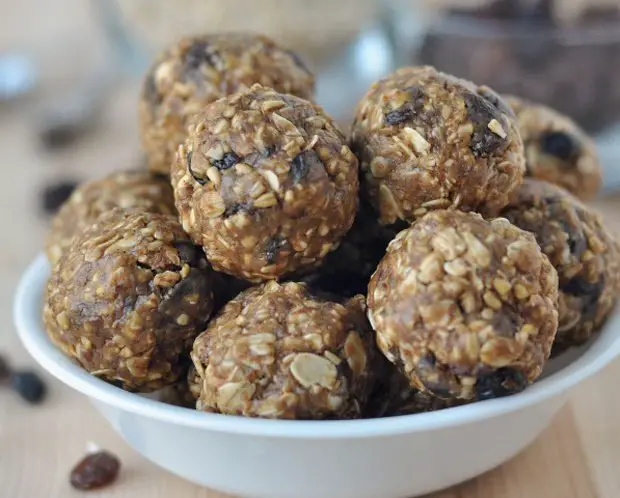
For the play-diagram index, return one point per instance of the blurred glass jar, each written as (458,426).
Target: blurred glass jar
(339,40)
(565,54)
(315,29)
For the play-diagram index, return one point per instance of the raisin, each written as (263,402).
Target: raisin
(197,282)
(5,369)
(189,253)
(409,110)
(559,144)
(95,471)
(199,54)
(228,161)
(501,382)
(188,158)
(480,111)
(55,195)
(237,208)
(496,100)
(578,286)
(589,293)
(505,324)
(29,386)
(577,242)
(272,247)
(303,163)
(400,115)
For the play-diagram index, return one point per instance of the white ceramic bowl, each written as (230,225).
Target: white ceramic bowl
(388,458)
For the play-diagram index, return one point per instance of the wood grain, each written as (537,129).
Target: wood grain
(576,457)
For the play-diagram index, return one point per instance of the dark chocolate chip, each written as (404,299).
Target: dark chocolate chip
(29,386)
(272,247)
(302,164)
(199,54)
(95,471)
(189,253)
(188,158)
(559,144)
(55,195)
(480,111)
(498,383)
(228,161)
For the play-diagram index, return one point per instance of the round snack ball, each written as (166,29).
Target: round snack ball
(198,70)
(277,351)
(585,255)
(466,308)
(347,271)
(556,149)
(127,299)
(427,140)
(266,184)
(125,189)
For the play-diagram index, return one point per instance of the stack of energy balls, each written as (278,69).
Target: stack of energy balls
(268,266)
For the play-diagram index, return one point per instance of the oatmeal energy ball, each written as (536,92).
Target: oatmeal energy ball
(266,184)
(465,308)
(427,140)
(582,251)
(125,189)
(127,299)
(201,69)
(277,351)
(556,149)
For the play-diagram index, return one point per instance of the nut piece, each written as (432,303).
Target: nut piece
(278,351)
(427,140)
(127,189)
(199,70)
(585,255)
(456,336)
(557,149)
(287,191)
(127,299)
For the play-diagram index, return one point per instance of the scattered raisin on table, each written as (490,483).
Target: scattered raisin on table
(54,195)
(29,386)
(5,369)
(95,470)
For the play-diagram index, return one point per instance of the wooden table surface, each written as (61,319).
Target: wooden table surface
(575,457)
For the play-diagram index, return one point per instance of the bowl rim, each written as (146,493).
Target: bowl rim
(27,318)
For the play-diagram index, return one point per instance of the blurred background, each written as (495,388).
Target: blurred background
(69,80)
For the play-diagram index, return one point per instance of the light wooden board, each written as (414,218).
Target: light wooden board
(576,457)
